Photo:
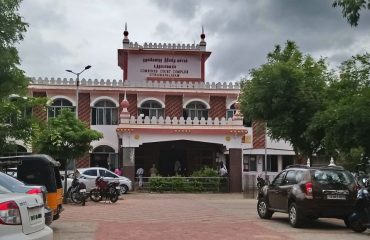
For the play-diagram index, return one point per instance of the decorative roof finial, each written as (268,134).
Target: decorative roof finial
(331,164)
(202,36)
(125,41)
(125,33)
(124,103)
(202,43)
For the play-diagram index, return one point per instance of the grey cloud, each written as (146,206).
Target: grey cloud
(180,8)
(164,30)
(240,33)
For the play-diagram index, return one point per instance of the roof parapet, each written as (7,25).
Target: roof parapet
(148,84)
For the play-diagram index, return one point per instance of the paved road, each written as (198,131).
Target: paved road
(144,216)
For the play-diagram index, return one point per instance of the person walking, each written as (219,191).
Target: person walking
(140,173)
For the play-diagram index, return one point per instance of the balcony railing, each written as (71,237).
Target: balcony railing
(182,121)
(148,84)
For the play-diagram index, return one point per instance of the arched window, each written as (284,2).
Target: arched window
(19,110)
(104,112)
(57,105)
(104,156)
(230,112)
(196,109)
(151,109)
(103,149)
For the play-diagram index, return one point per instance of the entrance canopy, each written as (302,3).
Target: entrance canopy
(139,131)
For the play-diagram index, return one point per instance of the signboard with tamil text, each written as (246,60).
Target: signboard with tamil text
(143,67)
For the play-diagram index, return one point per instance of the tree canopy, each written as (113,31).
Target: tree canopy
(286,92)
(346,115)
(65,137)
(16,121)
(351,9)
(313,108)
(12,27)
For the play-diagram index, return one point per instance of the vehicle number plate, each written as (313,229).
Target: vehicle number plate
(118,188)
(35,215)
(336,197)
(82,190)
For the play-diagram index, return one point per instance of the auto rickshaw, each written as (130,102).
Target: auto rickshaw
(39,169)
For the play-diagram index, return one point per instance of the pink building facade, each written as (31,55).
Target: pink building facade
(163,111)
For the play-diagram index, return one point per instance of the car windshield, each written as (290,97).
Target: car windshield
(9,182)
(328,176)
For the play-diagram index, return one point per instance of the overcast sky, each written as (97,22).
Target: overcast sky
(71,34)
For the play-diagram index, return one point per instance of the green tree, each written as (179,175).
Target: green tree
(346,116)
(65,138)
(12,79)
(286,92)
(351,9)
(16,122)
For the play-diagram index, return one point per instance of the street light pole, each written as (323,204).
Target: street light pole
(266,177)
(77,92)
(78,84)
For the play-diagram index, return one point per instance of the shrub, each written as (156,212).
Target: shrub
(206,179)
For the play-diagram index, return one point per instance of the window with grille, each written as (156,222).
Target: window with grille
(151,109)
(230,112)
(57,105)
(104,112)
(196,109)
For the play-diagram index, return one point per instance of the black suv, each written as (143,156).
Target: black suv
(308,193)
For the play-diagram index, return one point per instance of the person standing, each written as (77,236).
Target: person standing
(177,167)
(223,170)
(153,171)
(118,171)
(140,173)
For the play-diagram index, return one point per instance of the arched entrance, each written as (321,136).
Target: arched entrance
(104,156)
(181,157)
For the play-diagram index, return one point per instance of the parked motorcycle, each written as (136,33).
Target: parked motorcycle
(260,183)
(77,192)
(359,221)
(105,189)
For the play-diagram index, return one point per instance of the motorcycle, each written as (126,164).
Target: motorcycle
(359,221)
(105,189)
(260,183)
(77,192)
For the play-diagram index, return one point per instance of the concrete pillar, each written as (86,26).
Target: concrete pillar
(235,173)
(128,162)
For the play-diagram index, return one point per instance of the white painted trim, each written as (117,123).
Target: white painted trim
(231,103)
(65,97)
(149,99)
(102,143)
(196,100)
(104,98)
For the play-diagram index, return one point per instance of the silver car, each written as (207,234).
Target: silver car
(22,217)
(88,176)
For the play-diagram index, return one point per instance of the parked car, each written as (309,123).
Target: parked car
(308,193)
(16,186)
(39,169)
(22,217)
(89,175)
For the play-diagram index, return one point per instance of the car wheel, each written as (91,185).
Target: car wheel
(296,218)
(263,210)
(124,189)
(357,226)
